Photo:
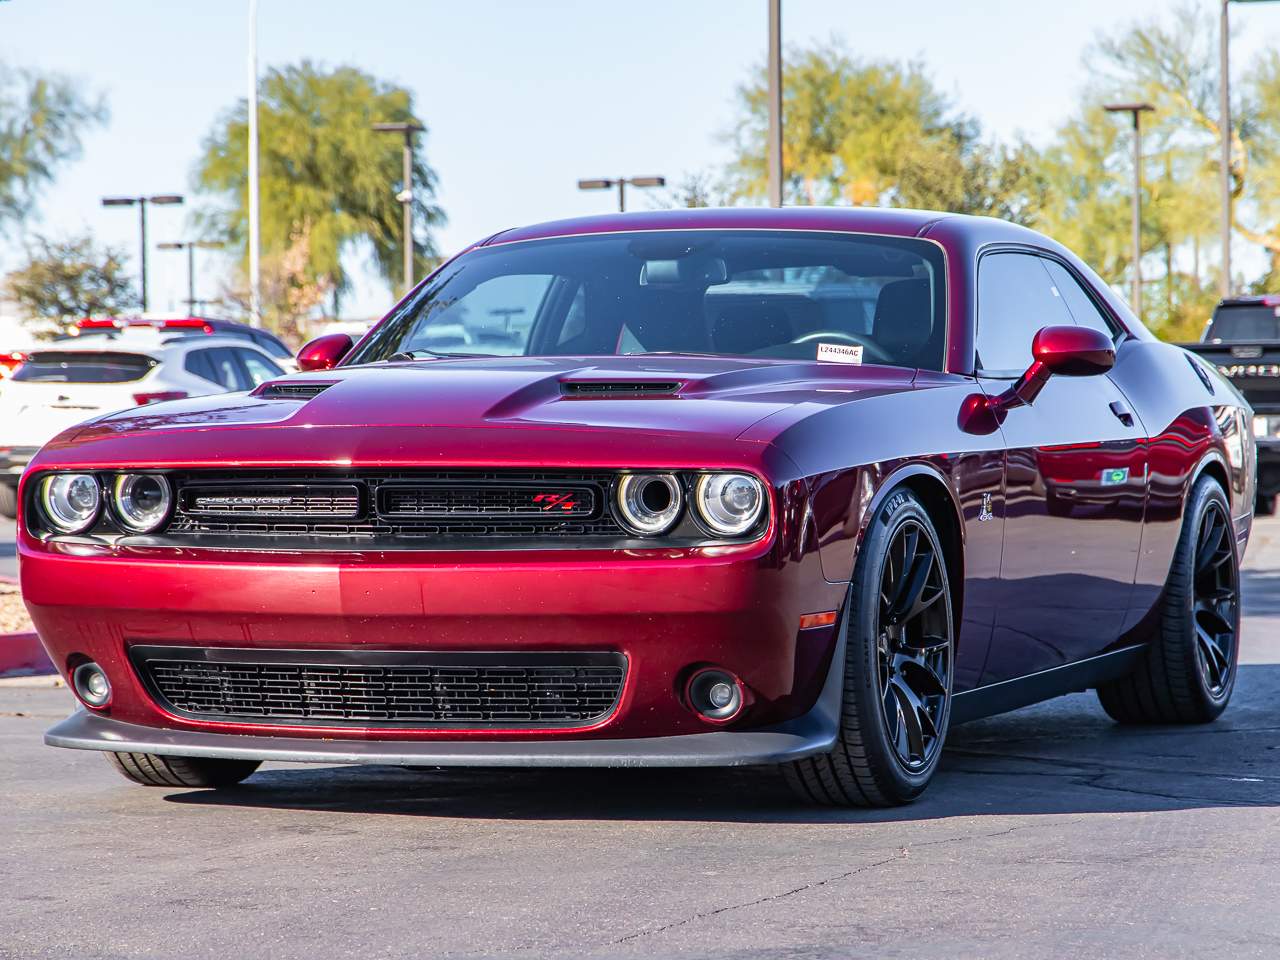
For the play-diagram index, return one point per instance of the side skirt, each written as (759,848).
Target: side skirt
(1023,691)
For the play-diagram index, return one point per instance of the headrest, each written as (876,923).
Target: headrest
(904,319)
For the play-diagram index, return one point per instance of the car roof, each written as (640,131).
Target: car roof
(874,220)
(153,343)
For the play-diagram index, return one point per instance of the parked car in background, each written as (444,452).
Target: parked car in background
(1242,340)
(74,379)
(716,512)
(212,326)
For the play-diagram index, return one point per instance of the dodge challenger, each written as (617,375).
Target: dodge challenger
(798,487)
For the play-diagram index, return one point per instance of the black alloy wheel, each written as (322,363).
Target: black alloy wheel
(899,650)
(914,646)
(1215,598)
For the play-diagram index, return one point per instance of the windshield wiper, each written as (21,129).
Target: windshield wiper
(434,354)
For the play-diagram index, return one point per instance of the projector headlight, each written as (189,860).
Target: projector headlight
(729,504)
(649,503)
(70,501)
(141,501)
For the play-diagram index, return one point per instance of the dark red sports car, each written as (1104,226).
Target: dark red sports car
(798,487)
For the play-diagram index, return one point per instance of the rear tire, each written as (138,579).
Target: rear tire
(1188,672)
(899,653)
(152,770)
(8,501)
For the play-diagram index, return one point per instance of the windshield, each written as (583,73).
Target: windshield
(789,295)
(1245,322)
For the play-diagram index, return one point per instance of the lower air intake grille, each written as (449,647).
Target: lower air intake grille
(336,688)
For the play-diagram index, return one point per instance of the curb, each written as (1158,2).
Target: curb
(21,655)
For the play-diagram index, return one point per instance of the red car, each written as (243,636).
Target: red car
(742,487)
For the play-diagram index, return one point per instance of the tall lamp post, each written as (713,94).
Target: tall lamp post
(1137,109)
(621,184)
(255,277)
(161,199)
(405,196)
(774,148)
(190,246)
(1224,121)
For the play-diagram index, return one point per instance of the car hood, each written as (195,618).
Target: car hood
(599,402)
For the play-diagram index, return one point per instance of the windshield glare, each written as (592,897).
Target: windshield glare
(787,295)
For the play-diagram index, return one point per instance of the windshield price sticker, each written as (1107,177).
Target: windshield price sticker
(839,353)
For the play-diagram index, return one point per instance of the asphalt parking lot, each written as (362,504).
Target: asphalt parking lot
(1049,832)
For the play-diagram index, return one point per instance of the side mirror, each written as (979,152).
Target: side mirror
(1060,351)
(324,353)
(1074,351)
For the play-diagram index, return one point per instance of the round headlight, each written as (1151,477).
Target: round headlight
(729,504)
(649,503)
(70,501)
(142,501)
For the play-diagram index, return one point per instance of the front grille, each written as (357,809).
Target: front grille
(425,509)
(425,690)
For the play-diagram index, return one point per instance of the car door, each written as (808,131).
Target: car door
(1075,481)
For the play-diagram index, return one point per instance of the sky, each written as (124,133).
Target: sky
(521,98)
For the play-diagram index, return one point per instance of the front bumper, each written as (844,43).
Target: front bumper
(665,611)
(814,732)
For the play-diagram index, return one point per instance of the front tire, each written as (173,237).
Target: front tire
(152,770)
(8,501)
(1189,670)
(899,652)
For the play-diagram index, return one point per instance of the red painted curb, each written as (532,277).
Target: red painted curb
(21,655)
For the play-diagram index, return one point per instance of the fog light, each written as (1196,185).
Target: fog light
(91,684)
(715,695)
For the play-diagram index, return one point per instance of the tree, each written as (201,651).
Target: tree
(325,174)
(867,132)
(42,119)
(69,279)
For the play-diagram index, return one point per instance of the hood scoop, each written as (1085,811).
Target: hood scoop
(284,390)
(613,389)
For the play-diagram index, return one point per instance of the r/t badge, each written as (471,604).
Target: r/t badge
(985,513)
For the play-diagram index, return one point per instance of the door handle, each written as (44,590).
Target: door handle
(1122,412)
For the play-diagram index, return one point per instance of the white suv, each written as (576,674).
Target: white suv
(72,380)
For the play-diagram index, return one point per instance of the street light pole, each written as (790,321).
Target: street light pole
(773,149)
(190,247)
(163,199)
(1224,113)
(405,196)
(621,184)
(1137,109)
(255,274)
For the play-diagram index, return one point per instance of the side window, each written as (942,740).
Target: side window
(258,367)
(1083,309)
(198,363)
(225,369)
(1015,299)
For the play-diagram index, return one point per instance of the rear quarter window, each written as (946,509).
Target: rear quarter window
(84,367)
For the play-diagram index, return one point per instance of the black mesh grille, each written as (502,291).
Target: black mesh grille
(399,507)
(421,690)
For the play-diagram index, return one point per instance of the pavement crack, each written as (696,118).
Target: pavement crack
(902,854)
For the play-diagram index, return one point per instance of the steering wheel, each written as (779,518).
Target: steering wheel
(876,352)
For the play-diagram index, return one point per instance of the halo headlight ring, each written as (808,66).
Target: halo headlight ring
(649,504)
(141,502)
(69,503)
(729,504)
